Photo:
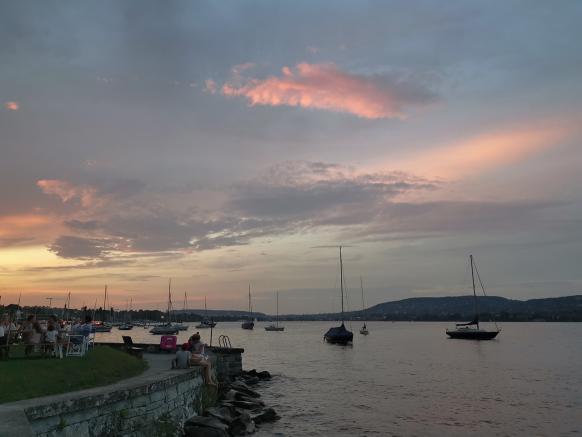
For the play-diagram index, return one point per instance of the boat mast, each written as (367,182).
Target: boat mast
(474,292)
(342,281)
(277,309)
(205,309)
(250,302)
(169,299)
(362,287)
(104,302)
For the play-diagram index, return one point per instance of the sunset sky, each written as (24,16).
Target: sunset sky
(223,143)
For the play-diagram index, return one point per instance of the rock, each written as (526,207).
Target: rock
(242,425)
(243,388)
(264,375)
(230,395)
(199,426)
(245,398)
(252,380)
(223,413)
(202,431)
(247,405)
(269,415)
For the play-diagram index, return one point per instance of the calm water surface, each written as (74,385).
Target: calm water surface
(409,379)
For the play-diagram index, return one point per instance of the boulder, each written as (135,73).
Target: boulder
(247,405)
(263,375)
(243,388)
(222,413)
(199,426)
(252,380)
(242,425)
(268,415)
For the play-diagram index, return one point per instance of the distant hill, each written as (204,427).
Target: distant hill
(463,306)
(567,309)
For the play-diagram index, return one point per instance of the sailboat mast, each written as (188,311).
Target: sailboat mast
(342,281)
(104,302)
(169,298)
(474,292)
(277,309)
(249,300)
(362,288)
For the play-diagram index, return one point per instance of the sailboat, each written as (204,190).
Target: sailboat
(179,324)
(102,326)
(249,324)
(206,323)
(275,327)
(471,330)
(363,329)
(167,328)
(339,334)
(127,325)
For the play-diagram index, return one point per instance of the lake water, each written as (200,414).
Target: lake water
(410,379)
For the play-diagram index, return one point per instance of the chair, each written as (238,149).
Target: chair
(168,343)
(130,348)
(77,346)
(91,340)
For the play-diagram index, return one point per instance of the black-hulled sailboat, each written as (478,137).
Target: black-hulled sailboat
(339,334)
(249,324)
(206,323)
(363,329)
(275,327)
(471,330)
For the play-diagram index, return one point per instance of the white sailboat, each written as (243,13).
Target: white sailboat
(275,327)
(363,329)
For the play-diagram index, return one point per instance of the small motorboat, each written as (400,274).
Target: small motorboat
(125,327)
(206,324)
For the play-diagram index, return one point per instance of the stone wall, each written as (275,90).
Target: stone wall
(155,408)
(227,362)
(154,404)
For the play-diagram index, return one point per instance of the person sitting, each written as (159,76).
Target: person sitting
(200,359)
(182,360)
(87,327)
(27,330)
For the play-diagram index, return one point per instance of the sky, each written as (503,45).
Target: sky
(222,144)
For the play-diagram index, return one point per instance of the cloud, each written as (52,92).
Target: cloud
(326,87)
(490,150)
(12,106)
(67,191)
(72,247)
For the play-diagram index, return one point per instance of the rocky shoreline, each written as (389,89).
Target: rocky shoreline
(239,410)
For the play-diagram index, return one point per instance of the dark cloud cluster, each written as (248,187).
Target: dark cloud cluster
(290,197)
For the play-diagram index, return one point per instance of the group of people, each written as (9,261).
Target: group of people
(193,353)
(46,337)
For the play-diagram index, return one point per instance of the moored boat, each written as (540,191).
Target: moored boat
(250,323)
(471,330)
(339,334)
(275,326)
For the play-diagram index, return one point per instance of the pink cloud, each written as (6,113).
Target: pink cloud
(12,106)
(326,87)
(67,191)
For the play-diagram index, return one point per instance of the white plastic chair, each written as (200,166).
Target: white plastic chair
(77,346)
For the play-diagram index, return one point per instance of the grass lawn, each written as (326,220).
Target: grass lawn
(23,378)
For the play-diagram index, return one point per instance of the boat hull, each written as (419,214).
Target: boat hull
(472,334)
(164,331)
(248,325)
(274,328)
(339,335)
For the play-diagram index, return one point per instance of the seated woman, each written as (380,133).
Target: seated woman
(199,359)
